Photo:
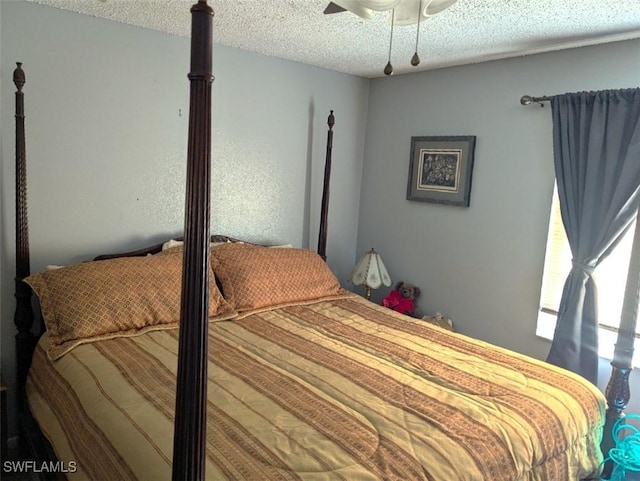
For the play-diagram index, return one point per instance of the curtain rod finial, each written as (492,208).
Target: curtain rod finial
(526,99)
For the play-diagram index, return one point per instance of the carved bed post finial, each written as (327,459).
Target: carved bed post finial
(18,76)
(331,120)
(618,395)
(23,317)
(324,212)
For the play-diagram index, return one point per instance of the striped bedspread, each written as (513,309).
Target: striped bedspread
(334,390)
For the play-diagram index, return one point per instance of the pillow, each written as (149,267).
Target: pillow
(172,243)
(255,277)
(51,267)
(114,298)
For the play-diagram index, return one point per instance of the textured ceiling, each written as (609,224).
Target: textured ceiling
(470,31)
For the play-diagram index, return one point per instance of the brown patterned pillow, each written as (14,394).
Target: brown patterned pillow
(255,277)
(114,298)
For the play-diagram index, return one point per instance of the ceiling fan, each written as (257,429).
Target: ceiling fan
(406,12)
(403,12)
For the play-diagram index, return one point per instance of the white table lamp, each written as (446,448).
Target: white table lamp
(370,272)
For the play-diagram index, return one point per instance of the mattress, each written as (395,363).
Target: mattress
(331,390)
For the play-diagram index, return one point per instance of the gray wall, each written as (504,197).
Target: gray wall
(107,119)
(481,265)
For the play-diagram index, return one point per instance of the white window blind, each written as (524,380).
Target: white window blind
(610,275)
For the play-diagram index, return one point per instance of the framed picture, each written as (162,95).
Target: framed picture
(440,169)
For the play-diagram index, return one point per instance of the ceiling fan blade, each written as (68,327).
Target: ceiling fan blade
(353,6)
(333,8)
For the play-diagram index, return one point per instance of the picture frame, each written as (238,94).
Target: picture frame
(440,169)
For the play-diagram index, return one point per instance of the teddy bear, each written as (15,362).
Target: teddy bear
(402,298)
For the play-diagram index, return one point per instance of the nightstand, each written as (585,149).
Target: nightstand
(3,420)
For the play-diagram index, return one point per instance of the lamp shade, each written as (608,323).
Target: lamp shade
(370,272)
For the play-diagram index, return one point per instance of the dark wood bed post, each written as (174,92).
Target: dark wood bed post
(23,317)
(189,443)
(618,393)
(324,212)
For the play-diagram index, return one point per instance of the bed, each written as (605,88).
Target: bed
(337,388)
(275,371)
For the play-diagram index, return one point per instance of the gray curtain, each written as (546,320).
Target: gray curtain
(596,143)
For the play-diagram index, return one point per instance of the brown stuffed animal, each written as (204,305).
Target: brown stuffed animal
(402,298)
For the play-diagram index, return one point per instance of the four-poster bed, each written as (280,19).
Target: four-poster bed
(307,381)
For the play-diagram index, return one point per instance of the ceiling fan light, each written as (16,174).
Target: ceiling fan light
(436,6)
(407,12)
(357,7)
(380,5)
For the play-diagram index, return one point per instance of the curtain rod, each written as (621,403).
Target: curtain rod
(528,100)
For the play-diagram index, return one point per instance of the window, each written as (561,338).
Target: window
(610,277)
